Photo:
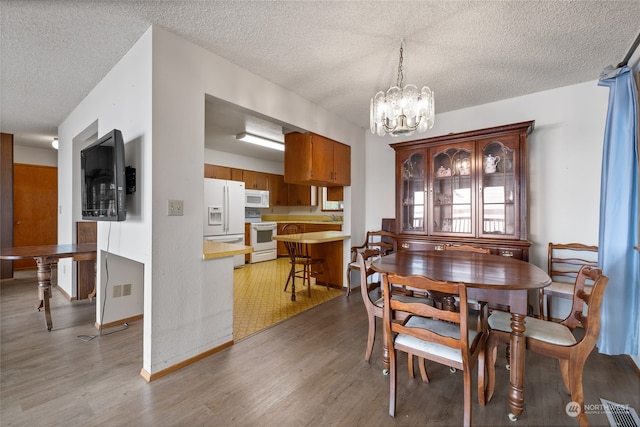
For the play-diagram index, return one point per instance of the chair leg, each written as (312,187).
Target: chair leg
(307,274)
(564,370)
(371,336)
(467,397)
(410,365)
(292,272)
(482,368)
(349,280)
(491,354)
(575,381)
(541,304)
(392,382)
(423,370)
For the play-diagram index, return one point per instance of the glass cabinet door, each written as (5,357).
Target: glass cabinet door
(499,189)
(412,193)
(452,197)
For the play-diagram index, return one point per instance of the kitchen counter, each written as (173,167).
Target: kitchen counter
(313,237)
(213,250)
(303,219)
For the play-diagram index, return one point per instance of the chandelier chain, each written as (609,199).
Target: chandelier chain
(400,75)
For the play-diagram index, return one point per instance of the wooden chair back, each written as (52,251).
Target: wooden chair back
(376,243)
(565,260)
(585,308)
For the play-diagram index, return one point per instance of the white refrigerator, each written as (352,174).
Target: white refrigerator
(224,213)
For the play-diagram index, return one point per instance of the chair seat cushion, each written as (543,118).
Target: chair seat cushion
(541,330)
(440,327)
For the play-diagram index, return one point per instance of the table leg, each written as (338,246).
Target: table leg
(44,288)
(516,378)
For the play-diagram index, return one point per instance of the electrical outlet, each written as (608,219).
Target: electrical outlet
(126,290)
(174,207)
(117,291)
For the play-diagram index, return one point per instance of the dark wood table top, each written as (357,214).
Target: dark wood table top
(56,251)
(474,269)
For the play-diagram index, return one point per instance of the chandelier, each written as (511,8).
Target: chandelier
(402,110)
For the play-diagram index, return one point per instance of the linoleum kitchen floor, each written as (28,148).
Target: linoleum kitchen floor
(259,299)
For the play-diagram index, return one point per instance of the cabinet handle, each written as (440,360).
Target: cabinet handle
(405,246)
(507,253)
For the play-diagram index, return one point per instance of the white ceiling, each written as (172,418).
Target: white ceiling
(337,54)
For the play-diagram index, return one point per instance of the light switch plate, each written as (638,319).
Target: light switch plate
(174,208)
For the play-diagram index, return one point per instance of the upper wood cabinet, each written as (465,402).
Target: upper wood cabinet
(222,172)
(468,187)
(302,195)
(278,191)
(255,180)
(315,160)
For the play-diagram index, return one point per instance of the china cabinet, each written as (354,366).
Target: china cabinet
(467,187)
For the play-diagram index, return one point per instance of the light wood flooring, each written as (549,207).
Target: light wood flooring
(305,371)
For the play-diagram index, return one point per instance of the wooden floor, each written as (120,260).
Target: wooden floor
(306,371)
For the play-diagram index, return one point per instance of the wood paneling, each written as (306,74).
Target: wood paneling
(86,232)
(35,203)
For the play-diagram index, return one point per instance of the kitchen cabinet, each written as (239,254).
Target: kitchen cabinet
(467,187)
(222,172)
(255,180)
(315,160)
(278,191)
(335,194)
(302,195)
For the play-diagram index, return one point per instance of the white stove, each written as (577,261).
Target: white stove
(264,247)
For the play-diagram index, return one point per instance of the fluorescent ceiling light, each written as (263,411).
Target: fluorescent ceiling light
(259,140)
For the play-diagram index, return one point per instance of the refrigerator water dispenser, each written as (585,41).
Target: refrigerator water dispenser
(215,215)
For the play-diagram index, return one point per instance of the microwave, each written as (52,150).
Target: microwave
(256,198)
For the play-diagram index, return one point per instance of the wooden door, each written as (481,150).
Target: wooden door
(35,208)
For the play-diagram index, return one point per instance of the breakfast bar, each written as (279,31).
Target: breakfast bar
(326,245)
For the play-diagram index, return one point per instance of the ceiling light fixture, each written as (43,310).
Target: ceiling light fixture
(402,110)
(260,140)
(54,143)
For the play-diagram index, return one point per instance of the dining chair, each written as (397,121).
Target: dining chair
(434,334)
(563,263)
(376,244)
(371,292)
(475,305)
(303,265)
(557,339)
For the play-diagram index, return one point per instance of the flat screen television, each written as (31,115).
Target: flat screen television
(103,179)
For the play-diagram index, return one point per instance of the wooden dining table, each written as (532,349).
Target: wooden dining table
(45,256)
(490,278)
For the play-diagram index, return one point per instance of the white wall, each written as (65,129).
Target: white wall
(35,156)
(183,75)
(122,100)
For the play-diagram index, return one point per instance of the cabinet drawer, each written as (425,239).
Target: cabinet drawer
(413,245)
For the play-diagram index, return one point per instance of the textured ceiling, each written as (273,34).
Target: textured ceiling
(335,54)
